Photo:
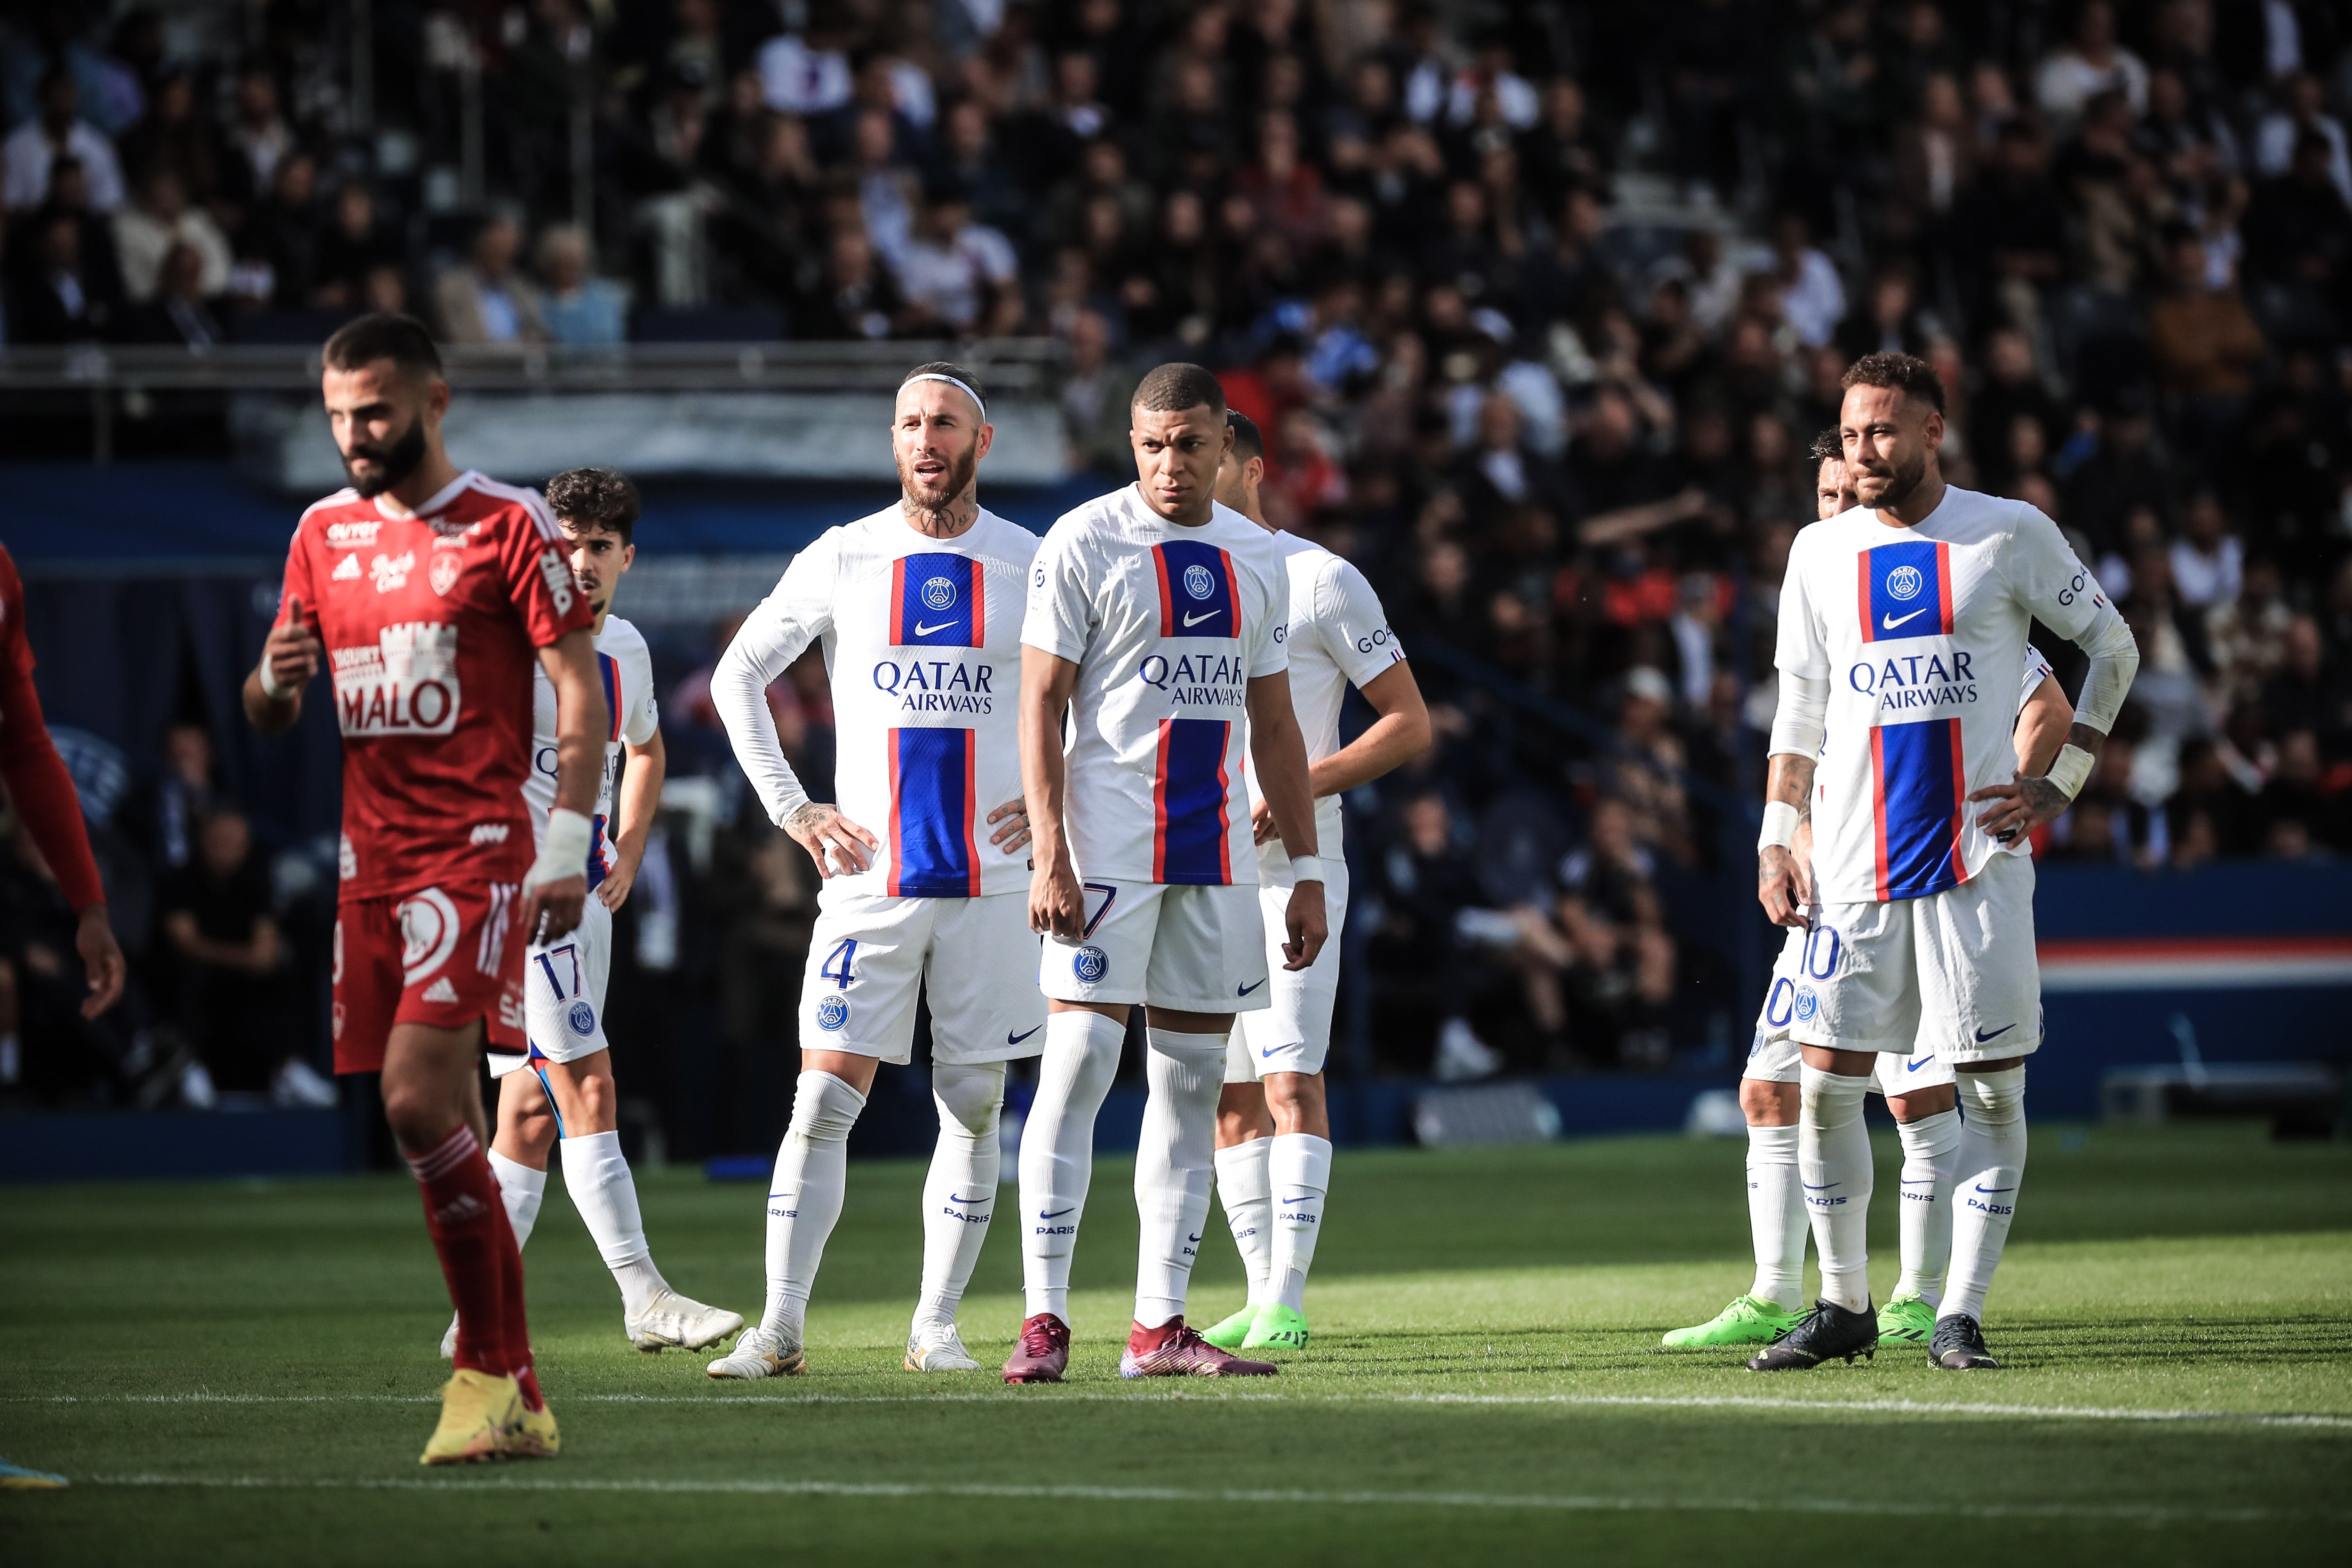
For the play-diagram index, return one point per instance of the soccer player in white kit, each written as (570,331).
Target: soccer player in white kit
(916,607)
(568,1094)
(1902,645)
(1274,1130)
(1917,1084)
(1155,629)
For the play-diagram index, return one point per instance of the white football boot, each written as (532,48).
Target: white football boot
(449,1340)
(937,1347)
(670,1319)
(760,1352)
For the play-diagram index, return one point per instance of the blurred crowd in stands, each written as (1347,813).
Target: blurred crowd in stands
(1541,307)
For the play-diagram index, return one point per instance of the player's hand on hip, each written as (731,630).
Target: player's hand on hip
(1058,905)
(2020,807)
(1782,886)
(291,650)
(1262,828)
(838,846)
(1305,925)
(101,961)
(1013,836)
(552,909)
(613,890)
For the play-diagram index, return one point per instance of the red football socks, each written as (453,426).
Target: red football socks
(468,1222)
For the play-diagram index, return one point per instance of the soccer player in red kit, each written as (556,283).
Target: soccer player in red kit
(426,593)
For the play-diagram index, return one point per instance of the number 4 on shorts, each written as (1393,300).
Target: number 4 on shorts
(836,963)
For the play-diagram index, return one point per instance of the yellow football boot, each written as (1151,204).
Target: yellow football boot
(534,1435)
(478,1413)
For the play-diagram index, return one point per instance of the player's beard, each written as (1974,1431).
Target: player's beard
(939,501)
(1902,483)
(392,464)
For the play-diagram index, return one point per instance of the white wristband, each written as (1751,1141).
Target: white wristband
(1780,820)
(1306,868)
(564,852)
(2072,766)
(269,687)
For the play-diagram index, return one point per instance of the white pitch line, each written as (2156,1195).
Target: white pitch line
(1008,1400)
(2150,1515)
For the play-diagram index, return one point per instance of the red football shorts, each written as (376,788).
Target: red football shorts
(443,956)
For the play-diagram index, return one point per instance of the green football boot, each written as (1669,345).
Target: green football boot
(1906,1320)
(1229,1334)
(1749,1321)
(1278,1328)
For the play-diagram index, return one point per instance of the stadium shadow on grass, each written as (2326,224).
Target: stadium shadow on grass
(249,1371)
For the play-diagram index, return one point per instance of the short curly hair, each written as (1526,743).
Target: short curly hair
(602,498)
(1829,447)
(1909,373)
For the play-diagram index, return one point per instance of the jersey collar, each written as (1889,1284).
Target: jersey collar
(435,504)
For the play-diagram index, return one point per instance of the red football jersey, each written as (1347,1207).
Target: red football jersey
(429,623)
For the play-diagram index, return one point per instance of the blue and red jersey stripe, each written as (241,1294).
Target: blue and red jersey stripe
(1904,590)
(939,599)
(1192,841)
(1918,804)
(933,784)
(1199,595)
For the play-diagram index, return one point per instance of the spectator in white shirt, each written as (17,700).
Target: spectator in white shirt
(1812,295)
(2071,75)
(145,232)
(2208,563)
(964,274)
(59,132)
(2305,110)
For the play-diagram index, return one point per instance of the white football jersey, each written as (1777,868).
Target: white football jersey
(923,648)
(1338,636)
(1921,634)
(628,674)
(1168,626)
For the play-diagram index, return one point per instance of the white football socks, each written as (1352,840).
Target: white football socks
(1173,1158)
(1776,1215)
(959,1193)
(523,1189)
(1989,1169)
(804,1195)
(597,1176)
(1834,1159)
(1300,1166)
(1057,1150)
(1248,1200)
(1930,1146)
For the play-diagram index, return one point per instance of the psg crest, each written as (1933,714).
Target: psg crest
(832,1013)
(1198,583)
(1904,583)
(583,1020)
(1092,963)
(939,594)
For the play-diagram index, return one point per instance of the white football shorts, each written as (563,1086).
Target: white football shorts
(563,991)
(1294,1032)
(1194,949)
(1953,973)
(873,954)
(1774,1056)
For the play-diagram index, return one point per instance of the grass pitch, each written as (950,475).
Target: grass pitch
(246,1371)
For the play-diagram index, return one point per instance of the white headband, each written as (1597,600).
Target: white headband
(934,375)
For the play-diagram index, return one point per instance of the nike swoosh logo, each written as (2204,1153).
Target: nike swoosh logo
(1196,1235)
(1270,1050)
(1057,1213)
(979,1198)
(1299,1199)
(1011,1039)
(1889,623)
(1825,1186)
(1247,989)
(1206,616)
(923,631)
(1982,1037)
(1914,1067)
(1989,1191)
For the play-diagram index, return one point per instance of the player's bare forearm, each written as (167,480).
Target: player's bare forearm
(641,773)
(1280,753)
(1056,903)
(2041,727)
(1399,733)
(1781,877)
(581,719)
